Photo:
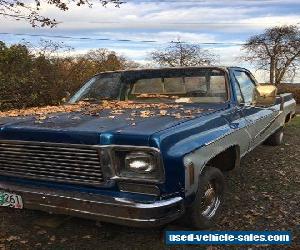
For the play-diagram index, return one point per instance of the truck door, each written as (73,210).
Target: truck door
(257,117)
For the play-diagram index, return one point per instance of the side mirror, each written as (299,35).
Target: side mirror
(265,95)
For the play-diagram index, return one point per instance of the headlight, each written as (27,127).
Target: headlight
(140,162)
(136,164)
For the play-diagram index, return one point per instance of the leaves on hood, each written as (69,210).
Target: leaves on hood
(163,112)
(115,109)
(41,112)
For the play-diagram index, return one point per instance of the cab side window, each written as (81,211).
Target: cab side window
(238,92)
(246,84)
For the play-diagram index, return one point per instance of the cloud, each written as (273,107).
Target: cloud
(163,21)
(163,16)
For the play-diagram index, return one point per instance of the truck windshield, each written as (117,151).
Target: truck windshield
(205,86)
(99,88)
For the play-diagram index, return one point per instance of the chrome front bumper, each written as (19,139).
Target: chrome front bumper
(98,207)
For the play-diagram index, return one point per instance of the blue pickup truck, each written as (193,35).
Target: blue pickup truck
(139,147)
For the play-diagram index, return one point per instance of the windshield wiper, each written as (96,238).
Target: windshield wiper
(88,99)
(93,100)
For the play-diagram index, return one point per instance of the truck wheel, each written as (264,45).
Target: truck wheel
(276,138)
(209,198)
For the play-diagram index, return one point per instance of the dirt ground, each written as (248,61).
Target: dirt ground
(264,194)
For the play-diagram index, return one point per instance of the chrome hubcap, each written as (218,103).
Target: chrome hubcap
(210,201)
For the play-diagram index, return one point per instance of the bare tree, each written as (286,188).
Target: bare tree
(30,11)
(183,54)
(276,50)
(49,49)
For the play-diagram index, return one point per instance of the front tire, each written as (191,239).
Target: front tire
(209,198)
(275,139)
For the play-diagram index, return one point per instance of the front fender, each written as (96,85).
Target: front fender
(182,140)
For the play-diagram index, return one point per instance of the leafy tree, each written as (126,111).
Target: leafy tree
(276,50)
(183,54)
(28,78)
(30,11)
(78,69)
(38,77)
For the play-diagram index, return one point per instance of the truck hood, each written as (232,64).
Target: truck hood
(78,127)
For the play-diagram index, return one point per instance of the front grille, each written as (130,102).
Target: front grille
(66,163)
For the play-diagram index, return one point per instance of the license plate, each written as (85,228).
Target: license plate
(10,200)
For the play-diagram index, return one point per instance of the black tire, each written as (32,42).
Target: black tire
(275,139)
(201,215)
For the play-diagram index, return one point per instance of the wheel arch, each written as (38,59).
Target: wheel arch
(288,118)
(196,161)
(226,160)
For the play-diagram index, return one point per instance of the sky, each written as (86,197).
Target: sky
(228,23)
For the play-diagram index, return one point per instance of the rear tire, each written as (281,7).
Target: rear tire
(209,198)
(275,139)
